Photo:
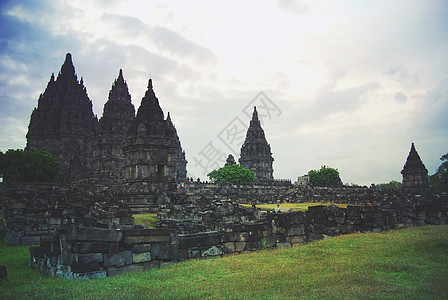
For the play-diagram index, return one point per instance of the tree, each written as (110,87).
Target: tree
(439,181)
(233,174)
(392,185)
(28,165)
(326,176)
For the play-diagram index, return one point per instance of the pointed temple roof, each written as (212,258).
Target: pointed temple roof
(119,105)
(149,107)
(413,163)
(415,174)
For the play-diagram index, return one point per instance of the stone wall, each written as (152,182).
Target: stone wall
(245,193)
(78,252)
(283,192)
(33,212)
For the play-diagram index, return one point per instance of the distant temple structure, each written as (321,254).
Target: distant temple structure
(415,174)
(119,147)
(256,152)
(230,161)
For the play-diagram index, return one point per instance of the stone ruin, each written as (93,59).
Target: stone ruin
(107,151)
(76,252)
(125,164)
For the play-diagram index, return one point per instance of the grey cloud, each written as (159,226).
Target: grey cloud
(329,100)
(124,25)
(430,115)
(174,43)
(401,72)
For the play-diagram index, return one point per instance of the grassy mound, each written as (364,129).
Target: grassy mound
(149,220)
(410,263)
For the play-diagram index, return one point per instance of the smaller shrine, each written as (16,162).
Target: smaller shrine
(415,174)
(230,160)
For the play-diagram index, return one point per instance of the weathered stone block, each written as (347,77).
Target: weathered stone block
(99,247)
(90,275)
(40,252)
(241,237)
(347,229)
(199,240)
(228,247)
(253,246)
(118,259)
(212,251)
(30,240)
(94,234)
(84,267)
(316,209)
(153,264)
(141,257)
(240,246)
(255,237)
(112,271)
(295,230)
(194,252)
(296,239)
(139,248)
(283,245)
(146,239)
(270,241)
(146,231)
(333,231)
(88,258)
(228,237)
(165,252)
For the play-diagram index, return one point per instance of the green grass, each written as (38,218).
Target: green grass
(285,206)
(149,220)
(401,264)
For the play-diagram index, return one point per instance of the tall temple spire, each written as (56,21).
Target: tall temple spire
(68,69)
(63,122)
(415,174)
(118,114)
(150,107)
(256,152)
(255,115)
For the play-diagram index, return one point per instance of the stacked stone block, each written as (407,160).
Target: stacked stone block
(33,212)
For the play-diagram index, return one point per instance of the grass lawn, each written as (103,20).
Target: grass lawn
(401,264)
(149,220)
(292,206)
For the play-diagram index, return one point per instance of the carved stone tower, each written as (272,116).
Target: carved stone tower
(180,162)
(150,146)
(64,124)
(256,152)
(118,114)
(415,174)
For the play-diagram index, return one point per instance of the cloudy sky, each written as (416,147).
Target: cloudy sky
(347,84)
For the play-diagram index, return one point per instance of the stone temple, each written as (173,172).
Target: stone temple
(256,152)
(64,124)
(415,174)
(120,147)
